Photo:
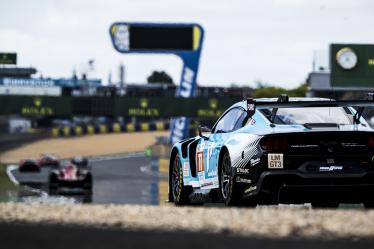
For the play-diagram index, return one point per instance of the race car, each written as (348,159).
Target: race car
(46,160)
(285,150)
(72,177)
(28,166)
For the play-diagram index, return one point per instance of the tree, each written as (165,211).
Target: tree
(274,92)
(160,77)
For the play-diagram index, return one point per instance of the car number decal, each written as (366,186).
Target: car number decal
(200,161)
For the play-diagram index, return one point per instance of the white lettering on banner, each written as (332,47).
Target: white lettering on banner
(177,132)
(186,85)
(185,91)
(28,82)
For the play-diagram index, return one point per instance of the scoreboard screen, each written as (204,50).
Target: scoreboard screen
(156,37)
(8,58)
(170,38)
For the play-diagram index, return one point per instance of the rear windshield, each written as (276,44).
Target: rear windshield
(334,115)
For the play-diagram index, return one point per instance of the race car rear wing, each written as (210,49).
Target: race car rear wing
(283,102)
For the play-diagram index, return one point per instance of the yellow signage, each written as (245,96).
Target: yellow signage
(144,110)
(212,112)
(37,109)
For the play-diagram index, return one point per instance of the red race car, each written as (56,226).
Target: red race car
(46,160)
(71,177)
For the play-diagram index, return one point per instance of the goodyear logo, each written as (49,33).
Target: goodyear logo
(213,110)
(37,108)
(144,110)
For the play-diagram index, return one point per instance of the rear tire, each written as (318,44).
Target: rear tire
(53,184)
(231,193)
(87,185)
(180,192)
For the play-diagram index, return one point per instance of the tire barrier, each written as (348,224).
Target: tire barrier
(80,130)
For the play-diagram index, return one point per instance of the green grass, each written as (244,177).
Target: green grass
(8,190)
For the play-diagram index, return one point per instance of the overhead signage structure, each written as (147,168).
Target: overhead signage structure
(183,40)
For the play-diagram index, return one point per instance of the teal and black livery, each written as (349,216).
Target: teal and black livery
(285,150)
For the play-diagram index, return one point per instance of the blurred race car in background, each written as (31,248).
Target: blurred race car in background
(45,160)
(285,150)
(28,166)
(48,160)
(72,177)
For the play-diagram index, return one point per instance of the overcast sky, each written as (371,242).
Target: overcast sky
(245,41)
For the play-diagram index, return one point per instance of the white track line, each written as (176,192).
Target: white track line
(9,172)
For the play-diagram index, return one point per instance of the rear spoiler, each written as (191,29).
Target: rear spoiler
(283,102)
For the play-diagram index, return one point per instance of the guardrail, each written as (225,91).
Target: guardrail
(80,130)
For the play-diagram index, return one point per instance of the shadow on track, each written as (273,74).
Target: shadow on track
(36,236)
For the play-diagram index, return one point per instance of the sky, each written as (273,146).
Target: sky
(246,41)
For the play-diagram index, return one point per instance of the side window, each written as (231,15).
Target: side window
(230,121)
(242,120)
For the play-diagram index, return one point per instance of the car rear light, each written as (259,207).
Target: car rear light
(371,142)
(274,144)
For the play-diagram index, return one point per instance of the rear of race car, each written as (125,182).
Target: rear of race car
(313,167)
(70,178)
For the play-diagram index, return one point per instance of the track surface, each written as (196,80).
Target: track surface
(131,179)
(134,179)
(123,181)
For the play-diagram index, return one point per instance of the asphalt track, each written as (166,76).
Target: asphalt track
(134,179)
(128,179)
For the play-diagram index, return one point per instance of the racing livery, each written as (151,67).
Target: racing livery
(71,177)
(285,150)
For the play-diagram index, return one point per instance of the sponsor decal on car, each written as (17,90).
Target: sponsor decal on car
(275,161)
(186,169)
(243,180)
(250,189)
(330,168)
(304,146)
(242,171)
(353,145)
(205,184)
(255,161)
(212,173)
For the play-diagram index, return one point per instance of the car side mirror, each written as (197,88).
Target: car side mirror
(204,129)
